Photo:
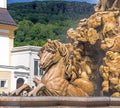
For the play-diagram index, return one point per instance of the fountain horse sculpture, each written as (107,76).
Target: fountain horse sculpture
(54,58)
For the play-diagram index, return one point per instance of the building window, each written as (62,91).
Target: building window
(37,70)
(20,82)
(35,67)
(3,83)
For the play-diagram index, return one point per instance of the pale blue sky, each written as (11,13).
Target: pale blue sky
(90,1)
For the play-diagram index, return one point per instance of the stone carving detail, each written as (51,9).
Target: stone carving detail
(89,63)
(61,77)
(102,5)
(102,27)
(110,68)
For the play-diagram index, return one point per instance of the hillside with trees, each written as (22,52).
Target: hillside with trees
(40,20)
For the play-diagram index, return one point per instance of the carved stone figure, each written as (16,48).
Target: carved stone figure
(102,5)
(88,64)
(54,58)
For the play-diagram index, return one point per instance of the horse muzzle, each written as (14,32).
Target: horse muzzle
(42,65)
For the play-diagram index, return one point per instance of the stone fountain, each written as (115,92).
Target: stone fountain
(86,69)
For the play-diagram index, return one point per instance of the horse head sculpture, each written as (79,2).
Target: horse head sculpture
(51,53)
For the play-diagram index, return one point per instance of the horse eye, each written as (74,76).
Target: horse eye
(50,50)
(53,51)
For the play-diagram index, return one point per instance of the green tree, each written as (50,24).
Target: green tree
(40,20)
(23,29)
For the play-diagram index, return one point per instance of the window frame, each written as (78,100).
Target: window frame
(39,72)
(5,84)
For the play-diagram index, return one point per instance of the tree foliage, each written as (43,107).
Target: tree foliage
(40,20)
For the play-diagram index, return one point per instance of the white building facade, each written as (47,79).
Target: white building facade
(27,56)
(17,65)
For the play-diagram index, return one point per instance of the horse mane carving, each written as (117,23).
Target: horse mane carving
(54,46)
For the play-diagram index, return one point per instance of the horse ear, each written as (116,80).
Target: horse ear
(62,50)
(56,43)
(49,40)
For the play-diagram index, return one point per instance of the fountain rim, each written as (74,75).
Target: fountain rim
(49,101)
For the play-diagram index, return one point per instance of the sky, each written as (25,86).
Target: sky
(89,1)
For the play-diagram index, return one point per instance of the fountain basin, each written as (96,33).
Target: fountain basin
(58,102)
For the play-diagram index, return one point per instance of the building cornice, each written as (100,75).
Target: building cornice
(26,48)
(23,73)
(14,67)
(10,28)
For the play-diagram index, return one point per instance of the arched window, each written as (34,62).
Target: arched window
(20,82)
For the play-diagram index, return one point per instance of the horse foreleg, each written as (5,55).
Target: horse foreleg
(98,5)
(114,5)
(36,81)
(37,91)
(18,91)
(103,5)
(41,90)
